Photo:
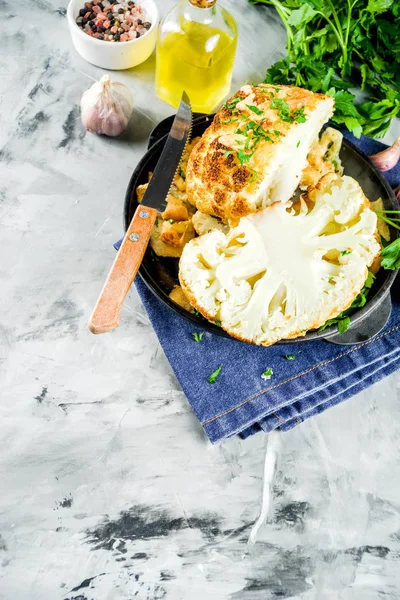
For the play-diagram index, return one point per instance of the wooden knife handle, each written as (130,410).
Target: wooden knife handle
(105,316)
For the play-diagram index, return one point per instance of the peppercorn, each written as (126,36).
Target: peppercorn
(147,25)
(139,21)
(116,37)
(82,12)
(121,10)
(100,5)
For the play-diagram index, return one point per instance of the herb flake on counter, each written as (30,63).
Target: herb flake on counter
(289,356)
(213,377)
(198,336)
(267,374)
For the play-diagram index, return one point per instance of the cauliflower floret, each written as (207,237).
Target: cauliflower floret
(286,269)
(204,223)
(323,158)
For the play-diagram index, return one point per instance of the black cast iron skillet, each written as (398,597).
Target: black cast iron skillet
(161,274)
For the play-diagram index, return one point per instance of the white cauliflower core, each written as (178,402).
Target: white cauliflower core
(286,269)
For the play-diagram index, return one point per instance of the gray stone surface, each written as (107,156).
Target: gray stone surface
(109,489)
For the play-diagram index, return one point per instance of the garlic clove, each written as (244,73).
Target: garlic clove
(106,107)
(387,159)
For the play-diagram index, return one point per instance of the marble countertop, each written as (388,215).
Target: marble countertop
(109,488)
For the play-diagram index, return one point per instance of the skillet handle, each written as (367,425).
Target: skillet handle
(105,316)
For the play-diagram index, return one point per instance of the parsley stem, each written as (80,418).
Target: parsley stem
(389,222)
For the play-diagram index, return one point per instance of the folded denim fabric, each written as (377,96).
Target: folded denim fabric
(320,376)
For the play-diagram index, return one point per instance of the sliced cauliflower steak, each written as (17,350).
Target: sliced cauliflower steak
(254,152)
(286,269)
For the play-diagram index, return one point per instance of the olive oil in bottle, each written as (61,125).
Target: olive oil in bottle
(195,52)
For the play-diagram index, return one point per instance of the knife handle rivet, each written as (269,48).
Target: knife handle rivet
(134,237)
(144,214)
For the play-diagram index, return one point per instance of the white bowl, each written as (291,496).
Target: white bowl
(113,55)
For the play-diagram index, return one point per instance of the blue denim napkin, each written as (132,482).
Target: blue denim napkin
(320,376)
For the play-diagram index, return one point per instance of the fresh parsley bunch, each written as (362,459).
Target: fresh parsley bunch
(337,45)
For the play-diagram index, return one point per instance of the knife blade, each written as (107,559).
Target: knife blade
(169,161)
(105,316)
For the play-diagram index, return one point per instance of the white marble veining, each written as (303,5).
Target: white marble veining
(109,489)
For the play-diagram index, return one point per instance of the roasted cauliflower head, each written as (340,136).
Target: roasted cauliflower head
(286,269)
(254,152)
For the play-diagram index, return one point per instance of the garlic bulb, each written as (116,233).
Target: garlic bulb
(106,107)
(387,159)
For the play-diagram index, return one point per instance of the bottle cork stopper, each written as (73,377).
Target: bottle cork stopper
(203,3)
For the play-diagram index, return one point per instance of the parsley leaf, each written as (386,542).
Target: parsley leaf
(336,48)
(198,336)
(254,109)
(213,377)
(267,374)
(232,103)
(181,172)
(345,252)
(243,157)
(391,256)
(290,356)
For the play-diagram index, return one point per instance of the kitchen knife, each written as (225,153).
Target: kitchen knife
(106,313)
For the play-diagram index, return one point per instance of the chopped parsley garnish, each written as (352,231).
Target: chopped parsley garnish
(289,356)
(217,323)
(171,221)
(213,377)
(229,121)
(198,314)
(335,164)
(198,336)
(298,144)
(181,172)
(283,110)
(254,176)
(243,157)
(228,153)
(331,279)
(267,374)
(299,115)
(232,103)
(345,252)
(254,109)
